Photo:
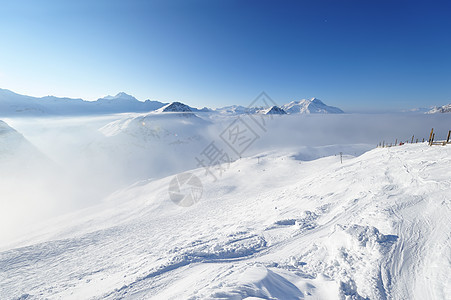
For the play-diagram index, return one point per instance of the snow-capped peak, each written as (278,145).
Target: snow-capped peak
(121,95)
(316,100)
(274,110)
(314,105)
(175,107)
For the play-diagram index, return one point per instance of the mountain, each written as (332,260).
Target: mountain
(12,104)
(275,110)
(175,107)
(440,109)
(150,145)
(119,96)
(312,106)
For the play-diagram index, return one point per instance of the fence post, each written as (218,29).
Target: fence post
(430,135)
(432,139)
(447,139)
(412,139)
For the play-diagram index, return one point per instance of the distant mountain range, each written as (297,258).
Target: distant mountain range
(15,104)
(312,106)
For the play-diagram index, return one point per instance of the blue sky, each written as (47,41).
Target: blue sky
(357,55)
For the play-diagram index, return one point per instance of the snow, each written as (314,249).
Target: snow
(175,107)
(313,105)
(376,226)
(274,110)
(14,146)
(12,104)
(120,95)
(440,109)
(287,220)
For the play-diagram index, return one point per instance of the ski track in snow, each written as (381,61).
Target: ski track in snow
(375,227)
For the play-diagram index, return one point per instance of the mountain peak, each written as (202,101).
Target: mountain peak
(121,95)
(275,110)
(314,105)
(176,107)
(316,100)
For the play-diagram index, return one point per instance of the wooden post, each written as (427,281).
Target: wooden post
(412,139)
(432,139)
(423,140)
(449,134)
(430,135)
(416,142)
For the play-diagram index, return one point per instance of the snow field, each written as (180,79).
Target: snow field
(376,226)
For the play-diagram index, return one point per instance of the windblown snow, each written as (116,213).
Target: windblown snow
(376,226)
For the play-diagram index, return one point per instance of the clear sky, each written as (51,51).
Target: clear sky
(365,54)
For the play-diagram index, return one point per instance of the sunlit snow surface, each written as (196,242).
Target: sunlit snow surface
(288,223)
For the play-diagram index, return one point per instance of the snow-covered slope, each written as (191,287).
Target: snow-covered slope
(311,106)
(376,226)
(141,146)
(440,109)
(160,125)
(13,146)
